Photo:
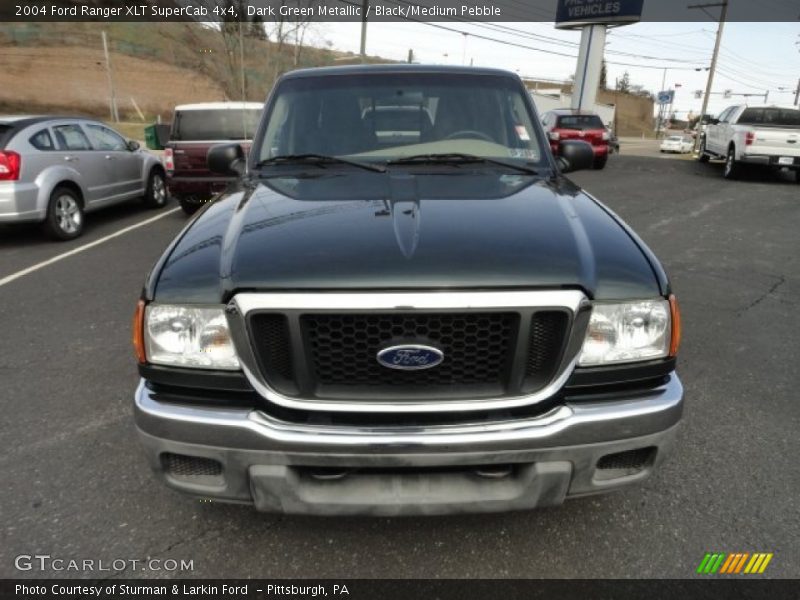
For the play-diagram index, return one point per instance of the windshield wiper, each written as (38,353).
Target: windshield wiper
(456,158)
(318,160)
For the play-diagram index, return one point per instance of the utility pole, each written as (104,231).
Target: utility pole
(723,13)
(112,92)
(241,61)
(241,73)
(364,9)
(797,94)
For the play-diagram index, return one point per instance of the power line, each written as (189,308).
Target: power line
(524,46)
(547,39)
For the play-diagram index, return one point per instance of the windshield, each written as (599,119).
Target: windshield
(674,138)
(580,122)
(215,124)
(383,117)
(776,117)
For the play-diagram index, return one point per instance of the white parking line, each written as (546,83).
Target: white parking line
(102,240)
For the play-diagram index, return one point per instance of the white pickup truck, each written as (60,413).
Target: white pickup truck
(757,135)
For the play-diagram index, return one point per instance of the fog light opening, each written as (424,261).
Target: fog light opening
(192,469)
(328,473)
(494,471)
(624,464)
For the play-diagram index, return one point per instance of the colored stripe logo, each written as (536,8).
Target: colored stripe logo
(734,563)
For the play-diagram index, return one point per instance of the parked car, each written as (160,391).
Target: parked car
(570,124)
(53,170)
(754,135)
(677,144)
(195,128)
(441,324)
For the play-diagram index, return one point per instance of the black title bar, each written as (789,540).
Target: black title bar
(610,11)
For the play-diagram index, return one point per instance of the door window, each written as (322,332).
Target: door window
(105,139)
(71,137)
(723,118)
(41,140)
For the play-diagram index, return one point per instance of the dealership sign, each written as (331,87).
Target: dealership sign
(576,13)
(665,97)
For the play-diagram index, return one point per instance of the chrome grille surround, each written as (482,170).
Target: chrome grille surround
(238,309)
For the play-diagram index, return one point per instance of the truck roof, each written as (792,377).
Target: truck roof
(219,106)
(573,111)
(395,68)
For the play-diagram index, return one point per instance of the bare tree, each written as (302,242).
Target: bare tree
(289,28)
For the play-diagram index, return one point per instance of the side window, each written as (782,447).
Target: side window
(105,139)
(723,118)
(71,137)
(41,140)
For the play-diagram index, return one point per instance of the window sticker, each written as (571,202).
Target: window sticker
(523,153)
(522,133)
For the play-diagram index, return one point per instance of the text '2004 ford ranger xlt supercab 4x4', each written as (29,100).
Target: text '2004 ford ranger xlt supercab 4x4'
(405,308)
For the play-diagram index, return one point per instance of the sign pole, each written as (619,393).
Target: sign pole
(590,59)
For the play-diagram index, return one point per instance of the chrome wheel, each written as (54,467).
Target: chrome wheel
(159,190)
(68,214)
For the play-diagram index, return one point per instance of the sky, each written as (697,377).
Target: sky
(754,57)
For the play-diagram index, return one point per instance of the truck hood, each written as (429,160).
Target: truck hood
(351,230)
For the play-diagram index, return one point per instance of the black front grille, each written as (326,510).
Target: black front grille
(487,353)
(477,347)
(544,347)
(272,345)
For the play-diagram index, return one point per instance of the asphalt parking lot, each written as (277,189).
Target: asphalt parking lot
(77,487)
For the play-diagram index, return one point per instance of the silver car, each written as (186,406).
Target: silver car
(55,169)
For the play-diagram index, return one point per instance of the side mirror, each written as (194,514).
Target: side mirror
(133,145)
(226,159)
(575,155)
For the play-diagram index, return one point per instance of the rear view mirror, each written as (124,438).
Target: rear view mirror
(226,159)
(575,155)
(133,145)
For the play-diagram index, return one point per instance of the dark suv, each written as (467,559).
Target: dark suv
(195,128)
(405,308)
(569,124)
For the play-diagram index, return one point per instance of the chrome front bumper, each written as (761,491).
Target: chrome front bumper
(398,469)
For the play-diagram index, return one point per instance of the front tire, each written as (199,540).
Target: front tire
(156,194)
(703,156)
(64,219)
(600,163)
(188,206)
(732,168)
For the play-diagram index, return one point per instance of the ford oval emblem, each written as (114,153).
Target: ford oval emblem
(411,357)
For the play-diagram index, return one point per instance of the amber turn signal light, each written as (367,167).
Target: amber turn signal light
(138,332)
(675,313)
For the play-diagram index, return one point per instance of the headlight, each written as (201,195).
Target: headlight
(627,332)
(188,336)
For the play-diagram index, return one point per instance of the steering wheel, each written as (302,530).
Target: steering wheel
(469,133)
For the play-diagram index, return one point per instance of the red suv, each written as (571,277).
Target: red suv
(571,124)
(195,128)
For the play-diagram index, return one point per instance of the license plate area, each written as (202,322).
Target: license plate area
(785,160)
